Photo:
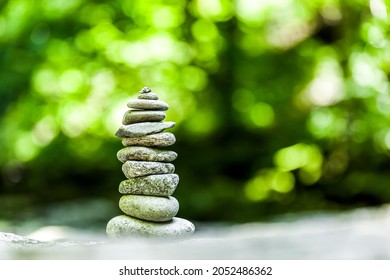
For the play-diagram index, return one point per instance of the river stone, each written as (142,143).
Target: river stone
(157,185)
(149,208)
(123,226)
(132,116)
(133,169)
(147,104)
(146,154)
(163,139)
(149,95)
(142,129)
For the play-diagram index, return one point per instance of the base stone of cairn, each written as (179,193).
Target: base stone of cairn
(147,202)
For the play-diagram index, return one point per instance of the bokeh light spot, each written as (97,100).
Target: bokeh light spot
(44,131)
(25,149)
(327,123)
(71,80)
(45,82)
(262,114)
(204,30)
(267,180)
(194,78)
(216,10)
(167,17)
(302,156)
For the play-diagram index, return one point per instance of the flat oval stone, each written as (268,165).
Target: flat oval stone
(145,154)
(133,169)
(149,208)
(132,116)
(157,185)
(149,95)
(142,129)
(123,226)
(147,104)
(163,139)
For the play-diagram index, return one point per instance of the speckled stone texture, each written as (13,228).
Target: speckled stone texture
(123,226)
(144,153)
(149,95)
(146,104)
(163,139)
(158,185)
(134,116)
(149,208)
(133,169)
(142,129)
(147,203)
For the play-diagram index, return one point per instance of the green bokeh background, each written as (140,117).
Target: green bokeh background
(281,106)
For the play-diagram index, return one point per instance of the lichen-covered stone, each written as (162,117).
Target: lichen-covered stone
(145,154)
(157,185)
(133,116)
(163,139)
(149,208)
(123,226)
(133,169)
(142,129)
(147,104)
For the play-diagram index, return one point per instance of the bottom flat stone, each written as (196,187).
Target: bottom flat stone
(123,226)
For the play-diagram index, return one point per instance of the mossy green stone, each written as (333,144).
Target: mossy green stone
(149,208)
(123,226)
(157,185)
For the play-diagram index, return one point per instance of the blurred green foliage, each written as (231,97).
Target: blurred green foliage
(281,106)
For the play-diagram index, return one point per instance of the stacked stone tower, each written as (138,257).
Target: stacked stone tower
(147,202)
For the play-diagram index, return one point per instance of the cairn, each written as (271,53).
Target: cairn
(147,202)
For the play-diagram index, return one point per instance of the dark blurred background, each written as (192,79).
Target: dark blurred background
(280,106)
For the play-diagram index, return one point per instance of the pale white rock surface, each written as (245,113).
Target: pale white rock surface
(359,234)
(16,241)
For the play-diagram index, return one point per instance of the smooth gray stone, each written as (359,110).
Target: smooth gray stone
(149,208)
(133,116)
(145,154)
(142,129)
(157,185)
(147,104)
(149,95)
(123,226)
(163,139)
(133,169)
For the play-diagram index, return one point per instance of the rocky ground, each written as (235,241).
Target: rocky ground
(358,234)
